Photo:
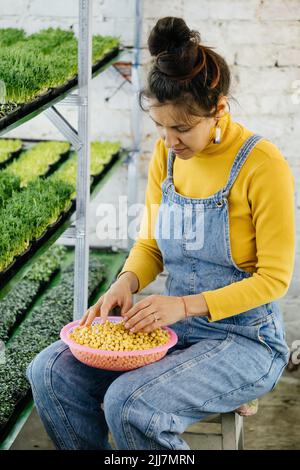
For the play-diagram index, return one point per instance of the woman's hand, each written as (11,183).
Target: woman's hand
(120,293)
(154,311)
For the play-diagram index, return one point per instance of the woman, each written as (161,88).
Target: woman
(224,231)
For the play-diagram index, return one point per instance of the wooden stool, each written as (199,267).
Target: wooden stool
(224,431)
(219,432)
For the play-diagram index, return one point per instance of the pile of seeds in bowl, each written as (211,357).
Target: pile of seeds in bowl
(112,336)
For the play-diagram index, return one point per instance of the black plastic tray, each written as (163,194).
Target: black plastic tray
(35,245)
(98,176)
(11,157)
(22,402)
(22,313)
(45,98)
(54,166)
(14,267)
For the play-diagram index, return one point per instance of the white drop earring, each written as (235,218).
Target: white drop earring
(217,139)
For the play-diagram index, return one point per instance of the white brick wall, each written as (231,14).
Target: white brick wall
(253,36)
(260,39)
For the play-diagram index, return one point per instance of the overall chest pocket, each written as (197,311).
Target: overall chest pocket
(179,230)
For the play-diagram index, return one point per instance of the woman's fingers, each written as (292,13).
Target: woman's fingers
(126,306)
(91,313)
(138,307)
(138,320)
(82,321)
(107,305)
(146,324)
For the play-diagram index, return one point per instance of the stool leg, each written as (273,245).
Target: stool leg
(241,436)
(232,431)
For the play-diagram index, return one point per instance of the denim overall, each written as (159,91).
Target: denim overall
(215,366)
(197,255)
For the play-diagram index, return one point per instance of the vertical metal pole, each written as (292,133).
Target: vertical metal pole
(136,113)
(83,172)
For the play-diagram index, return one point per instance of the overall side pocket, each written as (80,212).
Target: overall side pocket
(265,331)
(168,285)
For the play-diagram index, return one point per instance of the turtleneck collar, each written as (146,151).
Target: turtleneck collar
(229,133)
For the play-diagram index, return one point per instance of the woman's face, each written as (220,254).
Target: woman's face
(185,139)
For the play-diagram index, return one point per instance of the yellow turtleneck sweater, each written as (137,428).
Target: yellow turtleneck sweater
(261,217)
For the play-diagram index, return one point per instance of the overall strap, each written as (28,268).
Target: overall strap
(171,157)
(239,160)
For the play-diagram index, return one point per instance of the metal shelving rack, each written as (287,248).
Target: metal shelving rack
(64,230)
(83,195)
(83,187)
(136,113)
(81,142)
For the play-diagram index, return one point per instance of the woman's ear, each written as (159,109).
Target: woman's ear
(222,106)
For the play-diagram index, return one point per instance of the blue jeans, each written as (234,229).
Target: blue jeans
(148,408)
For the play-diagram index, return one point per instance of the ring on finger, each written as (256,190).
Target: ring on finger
(155,318)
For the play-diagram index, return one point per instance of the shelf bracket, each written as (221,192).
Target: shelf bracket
(71,100)
(70,233)
(63,126)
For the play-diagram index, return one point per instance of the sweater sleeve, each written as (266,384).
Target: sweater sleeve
(145,259)
(271,198)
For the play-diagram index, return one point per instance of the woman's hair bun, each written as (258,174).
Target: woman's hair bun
(185,72)
(174,45)
(169,34)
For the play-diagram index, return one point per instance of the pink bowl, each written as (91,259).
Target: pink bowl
(115,360)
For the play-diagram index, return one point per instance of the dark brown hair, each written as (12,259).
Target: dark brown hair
(184,72)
